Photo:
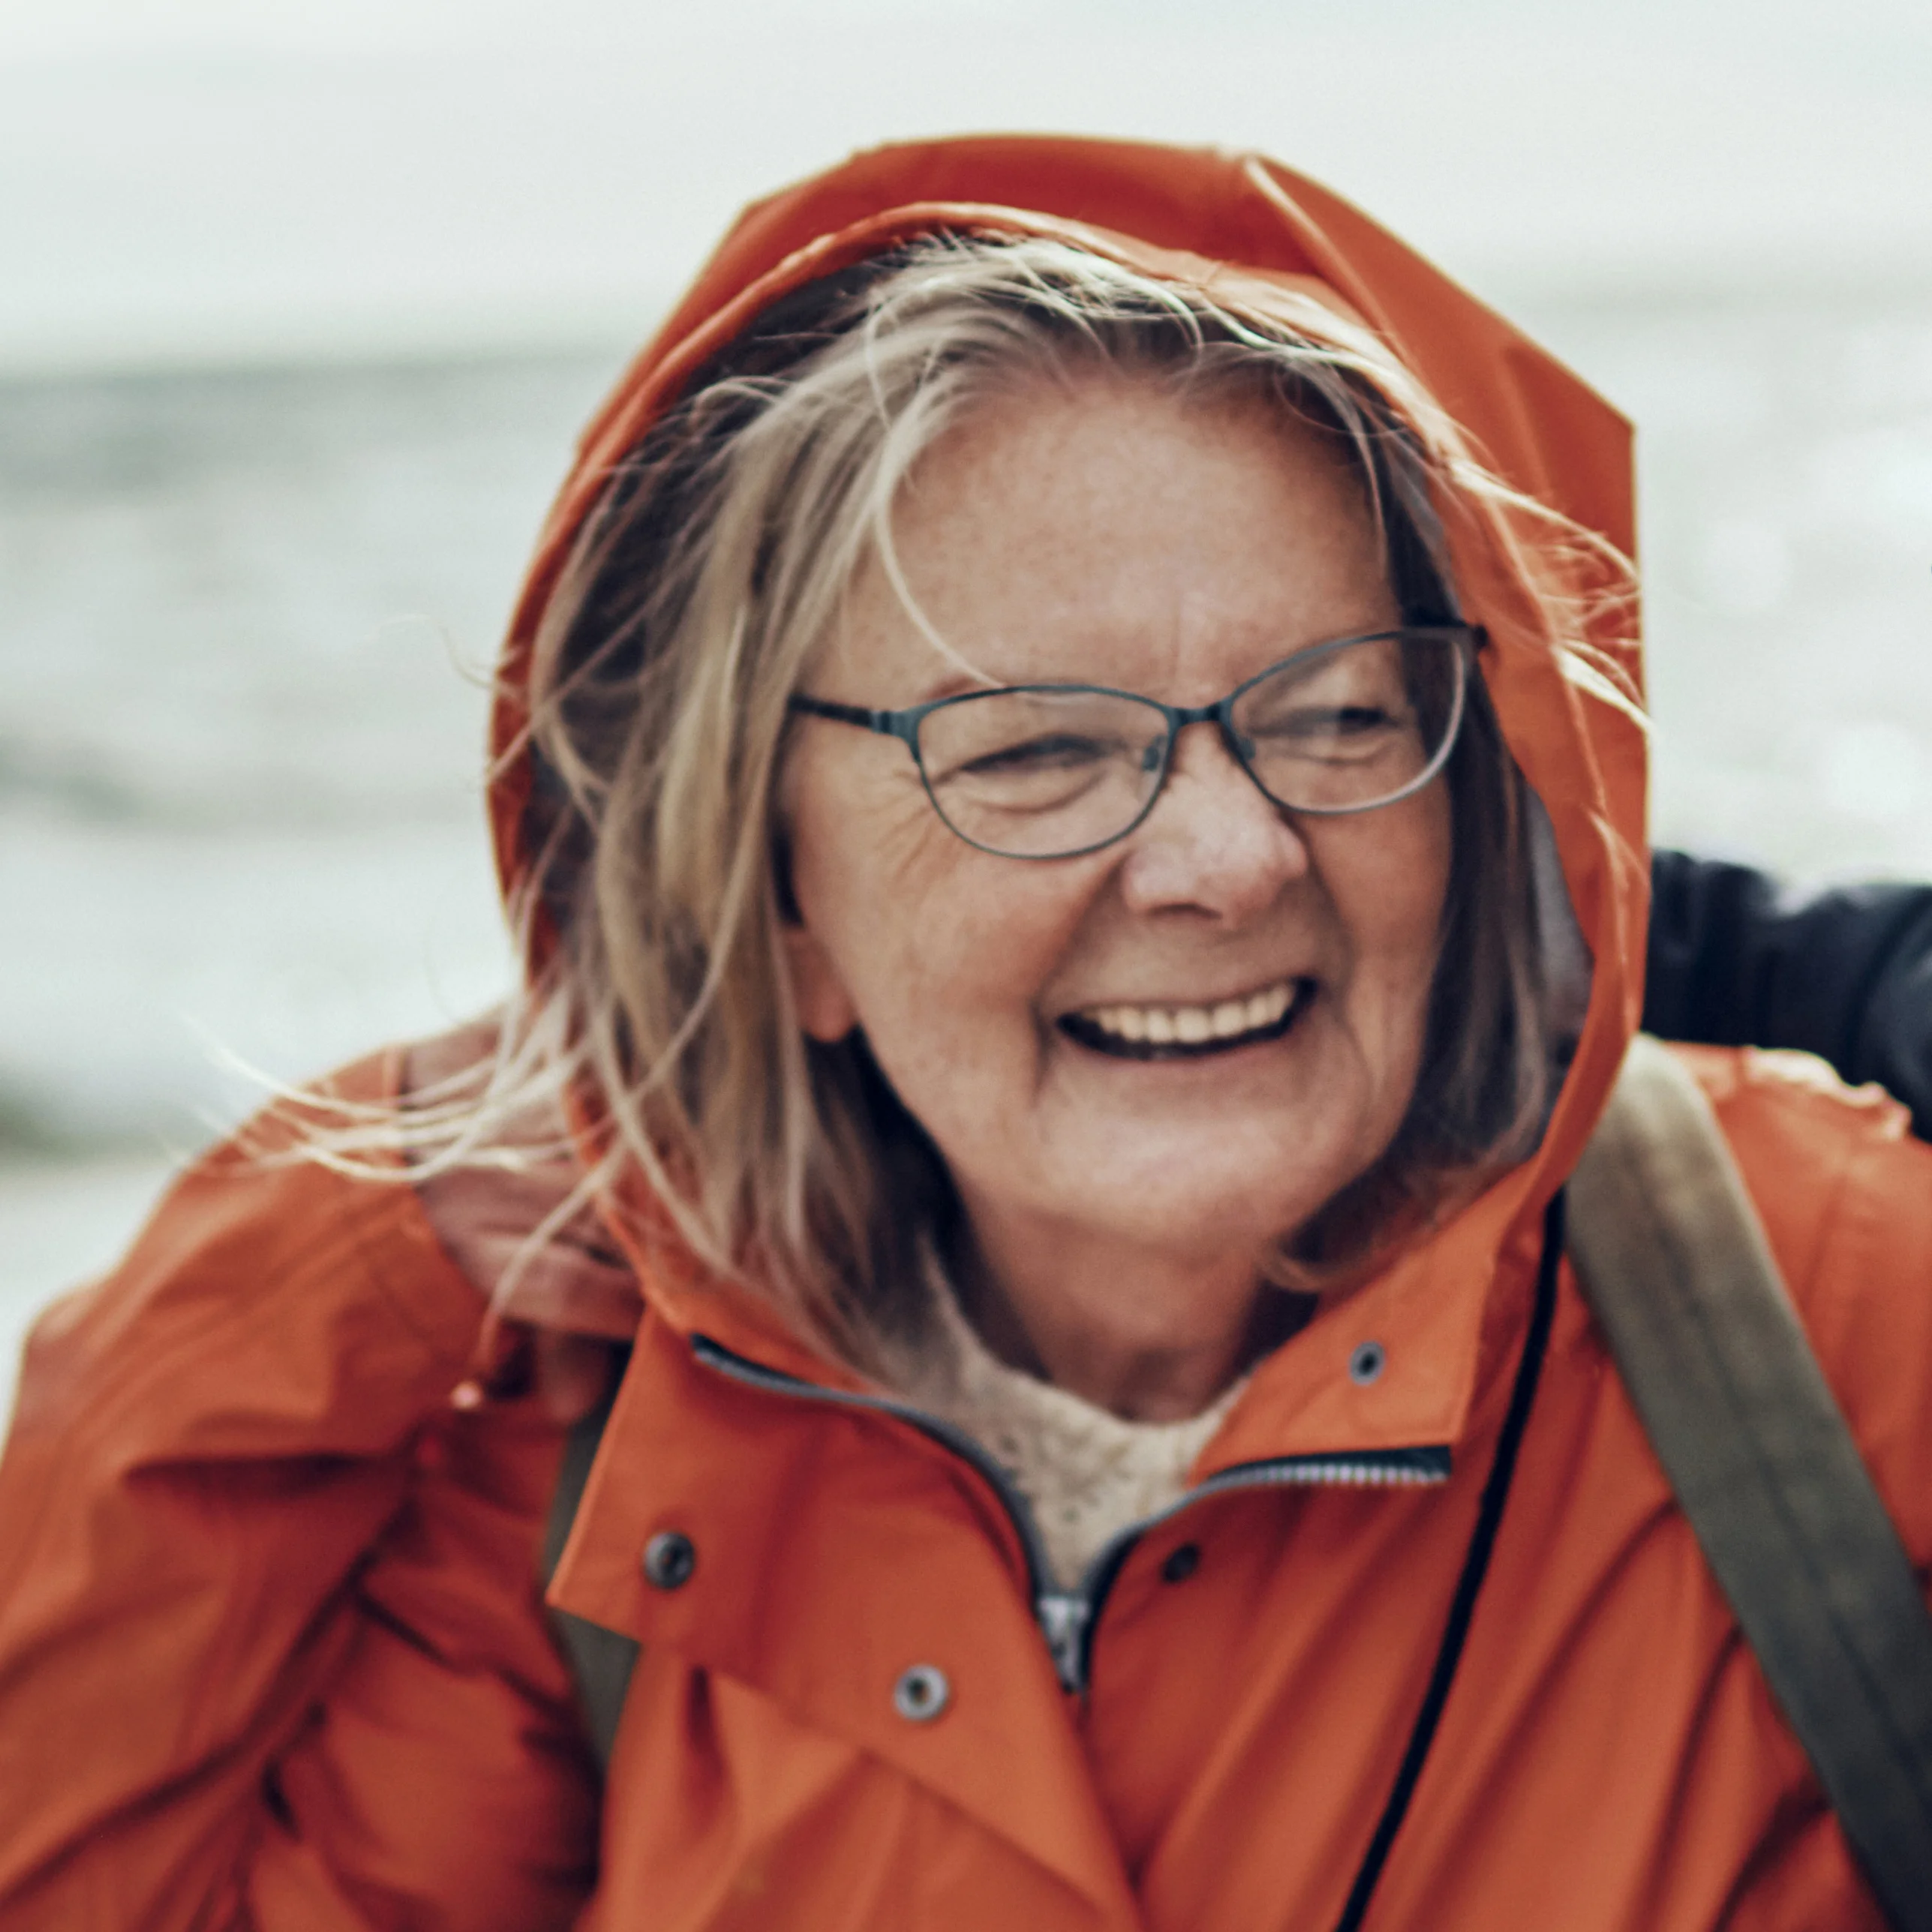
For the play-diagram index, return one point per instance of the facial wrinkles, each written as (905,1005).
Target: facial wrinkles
(1222,857)
(1202,557)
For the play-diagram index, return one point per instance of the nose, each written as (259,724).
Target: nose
(1214,842)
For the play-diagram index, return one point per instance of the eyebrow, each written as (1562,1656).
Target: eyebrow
(956,683)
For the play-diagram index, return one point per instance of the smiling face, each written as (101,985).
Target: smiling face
(1107,531)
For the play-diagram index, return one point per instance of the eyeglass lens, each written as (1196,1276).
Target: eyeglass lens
(1045,773)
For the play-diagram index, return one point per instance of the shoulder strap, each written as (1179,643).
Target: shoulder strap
(1682,1281)
(600,1660)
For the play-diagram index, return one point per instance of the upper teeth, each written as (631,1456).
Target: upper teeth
(1161,1026)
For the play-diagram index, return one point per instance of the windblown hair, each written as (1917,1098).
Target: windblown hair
(713,569)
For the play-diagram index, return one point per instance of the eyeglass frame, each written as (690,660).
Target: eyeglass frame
(903,724)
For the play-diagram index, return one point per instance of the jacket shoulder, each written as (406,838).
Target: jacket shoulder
(1845,1194)
(257,1545)
(264,1281)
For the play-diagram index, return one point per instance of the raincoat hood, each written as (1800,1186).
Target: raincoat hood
(1252,231)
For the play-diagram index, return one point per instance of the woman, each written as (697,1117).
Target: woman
(1074,1180)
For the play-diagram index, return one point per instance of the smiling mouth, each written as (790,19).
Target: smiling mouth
(1189,1032)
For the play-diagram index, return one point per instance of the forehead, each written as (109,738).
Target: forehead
(1107,529)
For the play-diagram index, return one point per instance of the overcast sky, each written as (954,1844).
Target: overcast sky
(216,178)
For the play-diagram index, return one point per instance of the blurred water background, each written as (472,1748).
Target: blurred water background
(255,554)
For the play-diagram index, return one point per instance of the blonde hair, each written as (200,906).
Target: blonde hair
(689,610)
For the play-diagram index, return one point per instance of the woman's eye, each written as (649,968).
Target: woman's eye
(1317,723)
(1354,719)
(1061,751)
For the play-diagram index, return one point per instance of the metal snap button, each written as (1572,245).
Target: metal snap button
(1183,1561)
(922,1693)
(669,1558)
(1366,1364)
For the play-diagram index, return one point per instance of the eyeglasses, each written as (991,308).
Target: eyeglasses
(1055,770)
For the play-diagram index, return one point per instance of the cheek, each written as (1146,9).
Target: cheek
(956,959)
(1425,874)
(1392,888)
(926,940)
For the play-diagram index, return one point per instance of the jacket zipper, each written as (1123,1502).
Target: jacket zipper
(1067,1617)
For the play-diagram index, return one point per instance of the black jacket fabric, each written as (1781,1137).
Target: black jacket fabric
(1846,973)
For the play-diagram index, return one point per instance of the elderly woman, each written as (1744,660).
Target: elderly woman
(1070,772)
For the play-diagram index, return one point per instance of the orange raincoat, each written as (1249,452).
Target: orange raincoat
(271,1652)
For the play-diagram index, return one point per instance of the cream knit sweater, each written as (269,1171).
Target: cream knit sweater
(1085,1473)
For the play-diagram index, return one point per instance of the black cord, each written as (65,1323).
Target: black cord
(1475,1565)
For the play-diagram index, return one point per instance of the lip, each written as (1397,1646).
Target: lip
(1085,1032)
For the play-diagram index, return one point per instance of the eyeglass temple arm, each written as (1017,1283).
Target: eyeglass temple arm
(891,724)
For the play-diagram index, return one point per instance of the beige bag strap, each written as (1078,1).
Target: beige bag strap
(1676,1266)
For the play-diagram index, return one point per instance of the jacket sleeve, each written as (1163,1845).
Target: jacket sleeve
(272,1655)
(1846,973)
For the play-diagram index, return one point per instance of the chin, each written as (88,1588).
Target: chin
(1213,1214)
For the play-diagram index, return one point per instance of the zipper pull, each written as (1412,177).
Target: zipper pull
(1063,1617)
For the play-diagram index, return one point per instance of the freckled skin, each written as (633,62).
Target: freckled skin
(1103,531)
